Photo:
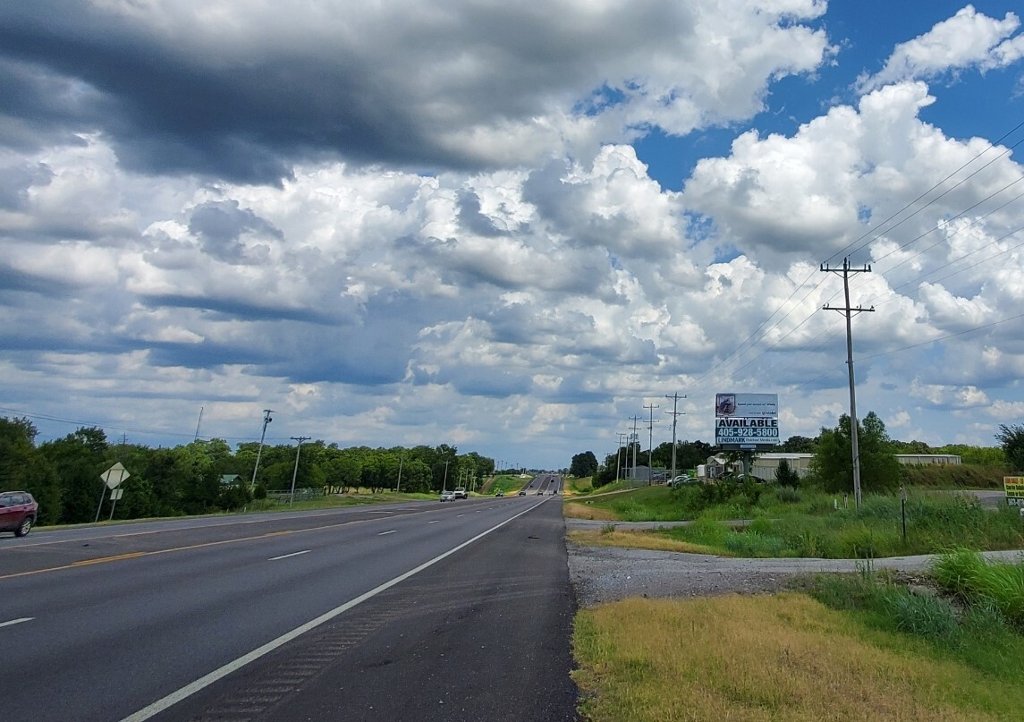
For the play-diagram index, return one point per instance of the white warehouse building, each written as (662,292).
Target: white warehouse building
(765,465)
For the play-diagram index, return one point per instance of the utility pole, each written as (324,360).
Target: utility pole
(295,473)
(675,405)
(401,458)
(266,420)
(650,445)
(850,312)
(444,481)
(618,453)
(634,442)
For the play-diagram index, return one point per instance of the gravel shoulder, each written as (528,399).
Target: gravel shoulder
(606,574)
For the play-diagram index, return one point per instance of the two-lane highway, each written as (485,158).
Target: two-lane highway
(410,611)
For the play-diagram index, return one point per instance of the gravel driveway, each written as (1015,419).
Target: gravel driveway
(605,574)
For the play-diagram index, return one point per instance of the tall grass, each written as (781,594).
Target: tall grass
(977,582)
(970,625)
(814,527)
(771,658)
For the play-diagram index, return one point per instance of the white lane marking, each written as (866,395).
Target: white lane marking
(458,515)
(387,532)
(16,621)
(293,554)
(42,531)
(206,680)
(434,522)
(380,512)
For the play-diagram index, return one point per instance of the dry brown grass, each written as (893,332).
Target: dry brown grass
(577,510)
(636,540)
(763,658)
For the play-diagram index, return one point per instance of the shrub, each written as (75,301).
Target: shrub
(787,495)
(860,542)
(787,476)
(966,574)
(708,532)
(755,544)
(924,616)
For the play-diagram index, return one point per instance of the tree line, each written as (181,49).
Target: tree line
(831,465)
(207,476)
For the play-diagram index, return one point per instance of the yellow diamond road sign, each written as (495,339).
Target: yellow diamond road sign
(113,476)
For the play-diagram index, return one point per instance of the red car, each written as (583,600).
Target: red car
(18,512)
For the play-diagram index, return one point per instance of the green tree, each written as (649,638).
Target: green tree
(1011,438)
(415,477)
(832,463)
(24,468)
(798,445)
(978,455)
(583,464)
(78,459)
(786,475)
(342,469)
(911,447)
(608,471)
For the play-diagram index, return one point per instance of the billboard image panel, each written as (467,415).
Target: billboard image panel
(747,406)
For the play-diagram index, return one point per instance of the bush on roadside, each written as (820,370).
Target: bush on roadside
(787,495)
(999,585)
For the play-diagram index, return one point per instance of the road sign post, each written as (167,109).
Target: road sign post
(112,478)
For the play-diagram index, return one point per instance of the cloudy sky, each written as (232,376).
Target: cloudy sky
(508,226)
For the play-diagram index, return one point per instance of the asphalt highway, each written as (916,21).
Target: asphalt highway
(415,611)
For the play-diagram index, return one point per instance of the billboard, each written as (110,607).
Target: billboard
(746,420)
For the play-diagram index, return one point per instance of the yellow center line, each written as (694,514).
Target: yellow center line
(101,560)
(136,555)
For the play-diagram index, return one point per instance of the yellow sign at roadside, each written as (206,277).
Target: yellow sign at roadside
(1014,487)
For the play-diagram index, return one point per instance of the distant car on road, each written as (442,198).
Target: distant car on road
(460,493)
(522,493)
(447,496)
(18,511)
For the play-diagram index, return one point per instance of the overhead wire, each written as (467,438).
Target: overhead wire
(853,244)
(718,369)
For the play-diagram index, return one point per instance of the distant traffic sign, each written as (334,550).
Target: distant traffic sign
(113,476)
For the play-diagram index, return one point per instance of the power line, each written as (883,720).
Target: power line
(922,196)
(719,367)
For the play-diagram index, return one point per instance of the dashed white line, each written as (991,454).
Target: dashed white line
(206,680)
(293,554)
(16,621)
(434,522)
(387,532)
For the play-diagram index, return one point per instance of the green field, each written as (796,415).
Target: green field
(786,523)
(506,484)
